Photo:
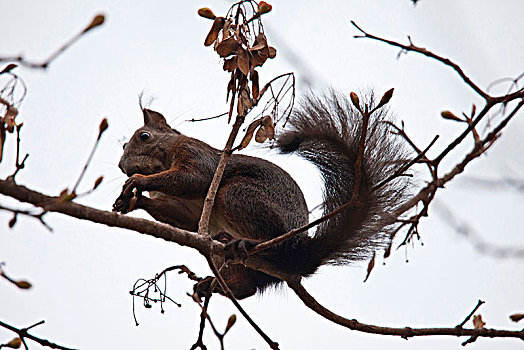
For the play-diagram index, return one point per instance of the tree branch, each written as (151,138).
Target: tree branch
(405,332)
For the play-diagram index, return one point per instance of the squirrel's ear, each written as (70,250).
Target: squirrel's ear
(154,119)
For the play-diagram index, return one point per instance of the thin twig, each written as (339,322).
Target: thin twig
(24,333)
(95,22)
(273,345)
(480,302)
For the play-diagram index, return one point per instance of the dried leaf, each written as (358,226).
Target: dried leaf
(231,64)
(217,26)
(8,68)
(206,13)
(260,135)
(257,58)
(254,84)
(450,116)
(227,47)
(517,317)
(225,30)
(240,106)
(477,322)
(269,127)
(246,100)
(272,52)
(264,7)
(371,265)
(243,61)
(249,134)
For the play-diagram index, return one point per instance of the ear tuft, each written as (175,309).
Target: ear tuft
(154,119)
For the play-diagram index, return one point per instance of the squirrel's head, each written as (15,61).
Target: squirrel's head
(149,150)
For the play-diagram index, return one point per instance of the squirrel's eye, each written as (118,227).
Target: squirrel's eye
(124,145)
(144,136)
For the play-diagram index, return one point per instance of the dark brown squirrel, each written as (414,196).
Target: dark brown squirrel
(257,200)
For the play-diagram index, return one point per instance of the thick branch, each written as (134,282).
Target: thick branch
(155,229)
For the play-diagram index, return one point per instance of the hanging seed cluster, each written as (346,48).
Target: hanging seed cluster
(239,39)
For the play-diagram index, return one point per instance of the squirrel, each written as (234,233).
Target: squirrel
(257,200)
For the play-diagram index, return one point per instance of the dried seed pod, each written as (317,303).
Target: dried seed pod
(227,47)
(217,26)
(231,64)
(254,83)
(261,135)
(243,61)
(264,7)
(269,127)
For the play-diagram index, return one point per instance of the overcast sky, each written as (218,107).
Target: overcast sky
(82,272)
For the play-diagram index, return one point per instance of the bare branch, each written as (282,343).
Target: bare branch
(24,333)
(405,332)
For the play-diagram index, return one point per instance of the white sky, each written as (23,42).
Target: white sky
(82,272)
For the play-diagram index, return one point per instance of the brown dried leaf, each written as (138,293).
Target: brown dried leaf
(272,52)
(517,317)
(260,135)
(227,47)
(243,61)
(225,30)
(240,106)
(231,64)
(217,26)
(246,100)
(249,134)
(269,127)
(371,265)
(257,58)
(477,322)
(264,7)
(254,84)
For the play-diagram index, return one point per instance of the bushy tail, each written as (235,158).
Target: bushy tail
(326,131)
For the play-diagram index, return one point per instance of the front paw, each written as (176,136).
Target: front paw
(238,249)
(131,192)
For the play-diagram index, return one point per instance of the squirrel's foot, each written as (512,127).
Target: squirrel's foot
(238,249)
(202,287)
